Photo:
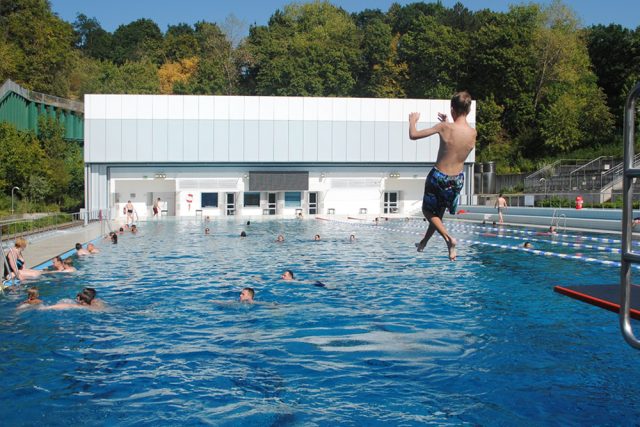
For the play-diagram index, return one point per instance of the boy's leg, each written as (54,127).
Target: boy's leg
(430,230)
(436,222)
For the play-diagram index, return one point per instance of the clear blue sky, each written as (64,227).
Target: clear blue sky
(112,13)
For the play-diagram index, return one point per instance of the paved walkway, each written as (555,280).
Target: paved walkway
(45,246)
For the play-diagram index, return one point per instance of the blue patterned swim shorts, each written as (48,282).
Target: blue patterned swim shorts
(442,192)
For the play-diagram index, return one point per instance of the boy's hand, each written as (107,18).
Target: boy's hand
(442,117)
(413,118)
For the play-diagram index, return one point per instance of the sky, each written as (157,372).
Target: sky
(112,13)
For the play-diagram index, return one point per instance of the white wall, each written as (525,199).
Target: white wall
(181,129)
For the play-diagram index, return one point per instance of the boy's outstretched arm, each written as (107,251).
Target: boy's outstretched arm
(417,134)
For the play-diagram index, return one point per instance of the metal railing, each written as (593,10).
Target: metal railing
(628,256)
(592,200)
(42,223)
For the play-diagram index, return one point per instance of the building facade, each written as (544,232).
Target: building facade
(242,155)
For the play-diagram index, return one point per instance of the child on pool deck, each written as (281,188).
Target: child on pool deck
(446,180)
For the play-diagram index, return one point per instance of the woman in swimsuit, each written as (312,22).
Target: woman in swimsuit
(15,261)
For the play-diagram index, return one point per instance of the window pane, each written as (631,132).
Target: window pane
(292,199)
(209,200)
(252,199)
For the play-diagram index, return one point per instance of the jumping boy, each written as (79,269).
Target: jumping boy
(446,180)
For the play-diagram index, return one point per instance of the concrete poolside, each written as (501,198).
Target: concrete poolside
(45,246)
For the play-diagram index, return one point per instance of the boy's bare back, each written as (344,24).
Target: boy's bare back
(457,139)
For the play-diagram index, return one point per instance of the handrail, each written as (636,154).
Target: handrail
(544,169)
(628,257)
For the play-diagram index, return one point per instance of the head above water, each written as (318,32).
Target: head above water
(247,294)
(287,275)
(280,238)
(243,234)
(86,296)
(316,237)
(460,104)
(33,293)
(78,246)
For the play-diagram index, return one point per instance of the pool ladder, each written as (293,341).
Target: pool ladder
(555,220)
(628,256)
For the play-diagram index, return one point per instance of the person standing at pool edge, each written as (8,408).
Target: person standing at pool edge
(446,179)
(501,204)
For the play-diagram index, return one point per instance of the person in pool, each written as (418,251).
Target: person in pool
(60,266)
(288,276)
(280,238)
(32,297)
(316,237)
(80,251)
(246,295)
(86,299)
(14,259)
(92,249)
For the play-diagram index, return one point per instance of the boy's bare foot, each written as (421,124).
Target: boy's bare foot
(451,244)
(420,246)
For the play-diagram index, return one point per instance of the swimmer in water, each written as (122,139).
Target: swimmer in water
(280,238)
(206,231)
(60,267)
(288,276)
(243,234)
(80,251)
(33,297)
(527,245)
(86,299)
(352,238)
(246,295)
(316,237)
(92,249)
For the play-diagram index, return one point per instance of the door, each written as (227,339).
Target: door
(390,202)
(271,203)
(231,204)
(313,203)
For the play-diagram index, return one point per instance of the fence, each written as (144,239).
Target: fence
(13,228)
(597,200)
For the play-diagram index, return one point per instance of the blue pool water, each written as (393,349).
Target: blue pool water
(395,338)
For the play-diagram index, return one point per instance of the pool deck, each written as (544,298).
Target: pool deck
(43,247)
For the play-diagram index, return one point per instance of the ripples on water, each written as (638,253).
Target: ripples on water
(395,337)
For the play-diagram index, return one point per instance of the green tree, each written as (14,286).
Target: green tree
(137,41)
(91,38)
(308,49)
(565,87)
(615,55)
(436,58)
(20,157)
(45,43)
(180,42)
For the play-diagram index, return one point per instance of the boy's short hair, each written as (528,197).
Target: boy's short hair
(461,103)
(33,292)
(251,291)
(78,246)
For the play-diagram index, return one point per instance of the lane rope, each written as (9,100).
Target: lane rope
(497,245)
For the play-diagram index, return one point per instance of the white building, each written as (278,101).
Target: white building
(237,155)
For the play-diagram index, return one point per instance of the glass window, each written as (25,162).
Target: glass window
(209,200)
(292,199)
(252,199)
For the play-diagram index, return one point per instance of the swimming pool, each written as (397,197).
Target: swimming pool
(395,338)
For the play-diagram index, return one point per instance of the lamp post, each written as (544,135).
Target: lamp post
(12,190)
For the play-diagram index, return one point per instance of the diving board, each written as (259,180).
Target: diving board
(604,296)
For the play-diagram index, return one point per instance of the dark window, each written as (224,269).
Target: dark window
(252,199)
(209,200)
